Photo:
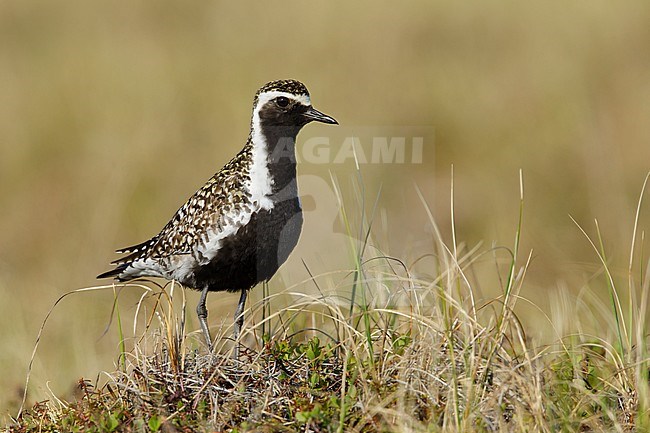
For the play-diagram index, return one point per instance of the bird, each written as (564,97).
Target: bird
(241,226)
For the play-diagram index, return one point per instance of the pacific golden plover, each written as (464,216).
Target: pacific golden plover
(238,229)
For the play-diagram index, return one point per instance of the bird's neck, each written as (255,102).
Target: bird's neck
(273,168)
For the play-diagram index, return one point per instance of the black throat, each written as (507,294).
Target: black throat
(281,146)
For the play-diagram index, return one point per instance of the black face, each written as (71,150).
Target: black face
(283,111)
(287,112)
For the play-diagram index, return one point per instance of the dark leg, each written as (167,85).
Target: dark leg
(202,312)
(239,319)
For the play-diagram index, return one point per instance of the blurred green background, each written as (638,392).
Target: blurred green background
(112,114)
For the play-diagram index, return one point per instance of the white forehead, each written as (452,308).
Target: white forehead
(265,97)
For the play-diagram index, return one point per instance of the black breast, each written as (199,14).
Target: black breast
(255,252)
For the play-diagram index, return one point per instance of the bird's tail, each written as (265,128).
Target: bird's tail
(114,273)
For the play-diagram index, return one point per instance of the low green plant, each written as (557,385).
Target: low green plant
(429,357)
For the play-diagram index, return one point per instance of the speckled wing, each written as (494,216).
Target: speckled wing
(192,236)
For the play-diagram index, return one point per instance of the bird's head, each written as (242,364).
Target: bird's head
(286,103)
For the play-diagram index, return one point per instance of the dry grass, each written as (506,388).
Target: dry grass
(113,113)
(399,352)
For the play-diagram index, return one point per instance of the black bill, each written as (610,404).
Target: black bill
(313,114)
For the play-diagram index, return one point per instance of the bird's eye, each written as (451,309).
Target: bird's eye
(282,101)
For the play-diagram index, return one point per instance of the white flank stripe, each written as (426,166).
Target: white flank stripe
(182,267)
(207,251)
(142,268)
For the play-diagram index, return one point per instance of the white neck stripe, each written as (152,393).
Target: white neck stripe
(260,184)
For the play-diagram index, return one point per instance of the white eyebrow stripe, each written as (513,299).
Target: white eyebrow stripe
(265,97)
